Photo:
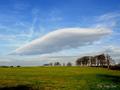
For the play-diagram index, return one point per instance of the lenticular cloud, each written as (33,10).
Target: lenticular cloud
(62,39)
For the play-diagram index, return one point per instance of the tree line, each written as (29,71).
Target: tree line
(97,60)
(58,64)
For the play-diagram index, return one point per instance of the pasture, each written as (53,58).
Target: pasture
(59,78)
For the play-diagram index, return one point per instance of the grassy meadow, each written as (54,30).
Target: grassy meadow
(59,78)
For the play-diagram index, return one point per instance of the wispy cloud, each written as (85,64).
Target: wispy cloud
(108,20)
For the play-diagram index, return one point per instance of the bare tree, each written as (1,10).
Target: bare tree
(69,64)
(83,61)
(63,64)
(100,59)
(51,64)
(93,61)
(79,62)
(109,59)
(86,60)
(57,64)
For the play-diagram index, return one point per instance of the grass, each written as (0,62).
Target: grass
(59,78)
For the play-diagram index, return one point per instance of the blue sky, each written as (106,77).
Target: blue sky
(23,21)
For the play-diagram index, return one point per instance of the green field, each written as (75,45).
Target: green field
(59,78)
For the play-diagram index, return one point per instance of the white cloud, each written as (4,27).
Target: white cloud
(62,39)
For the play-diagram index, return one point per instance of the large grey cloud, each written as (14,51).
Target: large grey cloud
(62,39)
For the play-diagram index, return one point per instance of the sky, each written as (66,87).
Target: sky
(35,32)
